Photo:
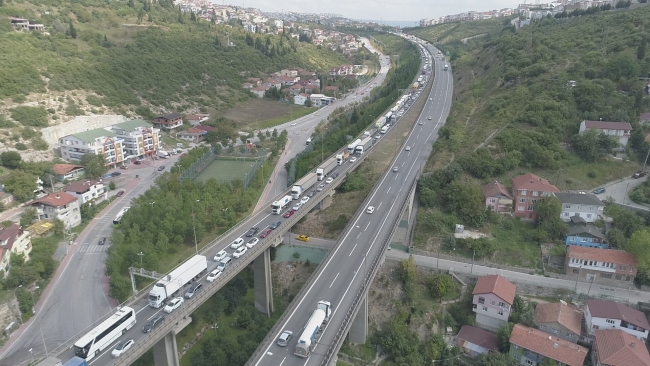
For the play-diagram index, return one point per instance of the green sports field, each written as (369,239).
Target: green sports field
(226,170)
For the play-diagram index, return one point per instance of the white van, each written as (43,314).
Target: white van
(224,263)
(384,130)
(308,141)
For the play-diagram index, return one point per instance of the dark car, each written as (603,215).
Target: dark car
(193,290)
(153,323)
(124,167)
(161,168)
(288,214)
(102,241)
(252,231)
(599,191)
(115,174)
(265,233)
(120,193)
(639,174)
(137,162)
(335,175)
(275,225)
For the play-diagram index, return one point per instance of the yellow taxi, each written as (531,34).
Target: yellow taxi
(302,237)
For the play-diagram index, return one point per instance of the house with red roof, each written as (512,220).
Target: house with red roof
(601,266)
(497,197)
(69,172)
(559,319)
(260,91)
(197,119)
(492,300)
(644,119)
(619,130)
(613,347)
(192,134)
(530,346)
(527,189)
(607,314)
(59,205)
(13,240)
(474,341)
(87,190)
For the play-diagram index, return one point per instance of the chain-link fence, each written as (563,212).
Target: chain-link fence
(198,166)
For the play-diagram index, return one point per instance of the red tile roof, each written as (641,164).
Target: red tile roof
(204,128)
(569,316)
(80,186)
(546,345)
(617,348)
(62,169)
(601,255)
(478,337)
(645,115)
(9,235)
(532,182)
(616,310)
(603,125)
(495,188)
(58,199)
(497,285)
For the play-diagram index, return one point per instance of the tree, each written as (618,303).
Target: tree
(72,32)
(548,208)
(466,199)
(27,216)
(440,285)
(408,269)
(503,336)
(308,103)
(21,184)
(112,186)
(638,245)
(10,159)
(95,165)
(548,362)
(495,359)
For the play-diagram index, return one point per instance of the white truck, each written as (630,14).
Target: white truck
(342,158)
(353,145)
(303,184)
(279,205)
(327,167)
(311,331)
(174,281)
(384,130)
(163,154)
(363,146)
(380,123)
(446,67)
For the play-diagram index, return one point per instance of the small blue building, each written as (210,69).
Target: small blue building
(586,236)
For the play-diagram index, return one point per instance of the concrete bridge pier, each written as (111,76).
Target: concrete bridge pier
(263,282)
(327,201)
(165,352)
(359,328)
(411,202)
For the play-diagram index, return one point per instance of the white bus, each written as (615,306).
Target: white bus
(104,334)
(118,218)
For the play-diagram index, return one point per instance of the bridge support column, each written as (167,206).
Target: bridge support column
(359,329)
(165,352)
(411,201)
(326,202)
(263,282)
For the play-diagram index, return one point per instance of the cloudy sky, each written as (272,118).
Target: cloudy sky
(380,9)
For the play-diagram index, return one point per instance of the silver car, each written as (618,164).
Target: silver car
(283,341)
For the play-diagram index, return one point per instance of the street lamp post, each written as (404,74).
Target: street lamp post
(196,246)
(472,269)
(140,255)
(577,278)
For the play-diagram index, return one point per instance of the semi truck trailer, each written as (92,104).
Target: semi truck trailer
(353,145)
(279,205)
(342,158)
(303,184)
(174,281)
(312,330)
(363,146)
(326,168)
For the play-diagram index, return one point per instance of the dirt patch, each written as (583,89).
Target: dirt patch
(385,296)
(256,110)
(288,278)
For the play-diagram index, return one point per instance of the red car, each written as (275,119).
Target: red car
(120,193)
(265,233)
(288,214)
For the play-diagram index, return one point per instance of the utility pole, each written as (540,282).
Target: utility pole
(140,255)
(196,246)
(472,269)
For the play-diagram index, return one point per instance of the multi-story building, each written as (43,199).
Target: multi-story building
(613,347)
(601,266)
(606,314)
(559,319)
(497,197)
(530,347)
(140,139)
(586,206)
(98,141)
(527,189)
(13,239)
(492,298)
(620,130)
(169,121)
(60,205)
(69,172)
(87,190)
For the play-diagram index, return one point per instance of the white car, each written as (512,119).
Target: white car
(214,275)
(430,98)
(353,159)
(251,243)
(395,169)
(122,347)
(239,252)
(329,180)
(237,243)
(293,124)
(219,256)
(421,122)
(174,304)
(370,209)
(304,200)
(297,206)
(408,148)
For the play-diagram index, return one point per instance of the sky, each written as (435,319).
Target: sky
(404,10)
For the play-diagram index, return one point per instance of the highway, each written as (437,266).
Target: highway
(340,277)
(79,296)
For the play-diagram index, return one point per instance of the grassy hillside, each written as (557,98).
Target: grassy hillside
(513,113)
(167,60)
(446,33)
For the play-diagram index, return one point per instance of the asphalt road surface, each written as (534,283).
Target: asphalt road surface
(79,296)
(340,277)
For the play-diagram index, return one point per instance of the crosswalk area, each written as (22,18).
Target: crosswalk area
(93,248)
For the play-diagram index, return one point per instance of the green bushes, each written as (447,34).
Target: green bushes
(30,116)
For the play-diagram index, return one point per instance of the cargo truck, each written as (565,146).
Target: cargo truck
(416,85)
(446,67)
(174,281)
(302,185)
(163,154)
(379,124)
(279,205)
(363,146)
(353,145)
(342,158)
(327,167)
(312,330)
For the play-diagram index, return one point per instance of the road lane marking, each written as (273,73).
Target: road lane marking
(389,189)
(337,276)
(367,226)
(355,245)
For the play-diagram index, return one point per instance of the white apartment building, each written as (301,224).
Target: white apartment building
(60,205)
(140,139)
(13,240)
(606,314)
(87,190)
(98,141)
(586,206)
